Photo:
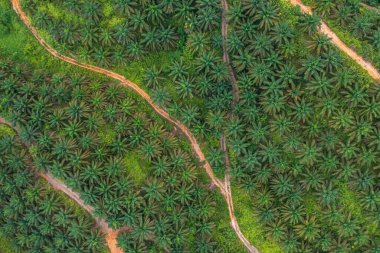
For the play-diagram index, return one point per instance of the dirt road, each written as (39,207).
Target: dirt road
(369,7)
(127,83)
(226,57)
(372,71)
(111,234)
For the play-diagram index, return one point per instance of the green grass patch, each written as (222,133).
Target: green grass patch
(249,222)
(6,245)
(223,233)
(6,130)
(350,201)
(137,169)
(106,134)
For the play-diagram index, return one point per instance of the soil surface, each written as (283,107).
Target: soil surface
(372,71)
(226,57)
(370,7)
(111,234)
(224,189)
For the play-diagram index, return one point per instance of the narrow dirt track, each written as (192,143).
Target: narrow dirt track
(236,98)
(226,57)
(127,83)
(111,234)
(369,7)
(372,71)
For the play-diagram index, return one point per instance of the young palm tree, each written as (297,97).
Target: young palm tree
(144,230)
(207,18)
(309,229)
(309,23)
(125,7)
(152,77)
(268,14)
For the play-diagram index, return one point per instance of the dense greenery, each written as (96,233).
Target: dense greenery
(375,3)
(303,140)
(63,118)
(34,217)
(358,26)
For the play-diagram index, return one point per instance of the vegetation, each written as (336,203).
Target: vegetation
(35,217)
(357,26)
(303,140)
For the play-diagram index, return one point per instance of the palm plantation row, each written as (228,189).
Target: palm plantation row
(68,122)
(35,217)
(308,117)
(350,17)
(304,131)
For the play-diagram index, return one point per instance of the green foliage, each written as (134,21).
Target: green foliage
(137,169)
(250,224)
(302,140)
(6,131)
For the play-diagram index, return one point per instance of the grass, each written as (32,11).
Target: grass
(6,245)
(107,134)
(363,48)
(223,234)
(249,222)
(137,169)
(6,130)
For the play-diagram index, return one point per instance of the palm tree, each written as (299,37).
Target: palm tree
(375,39)
(92,11)
(144,230)
(198,43)
(325,7)
(262,45)
(312,66)
(246,30)
(207,18)
(123,33)
(273,104)
(260,73)
(328,195)
(269,152)
(320,43)
(235,13)
(234,43)
(320,85)
(167,37)
(371,108)
(362,128)
(152,77)
(268,14)
(312,180)
(185,87)
(190,114)
(63,147)
(125,7)
(101,56)
(309,229)
(282,184)
(183,12)
(206,61)
(309,23)
(301,110)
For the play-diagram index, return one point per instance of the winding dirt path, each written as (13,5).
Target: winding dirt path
(226,57)
(372,71)
(236,98)
(369,7)
(111,234)
(224,190)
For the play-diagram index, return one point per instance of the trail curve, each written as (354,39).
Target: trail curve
(369,7)
(129,84)
(324,29)
(111,234)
